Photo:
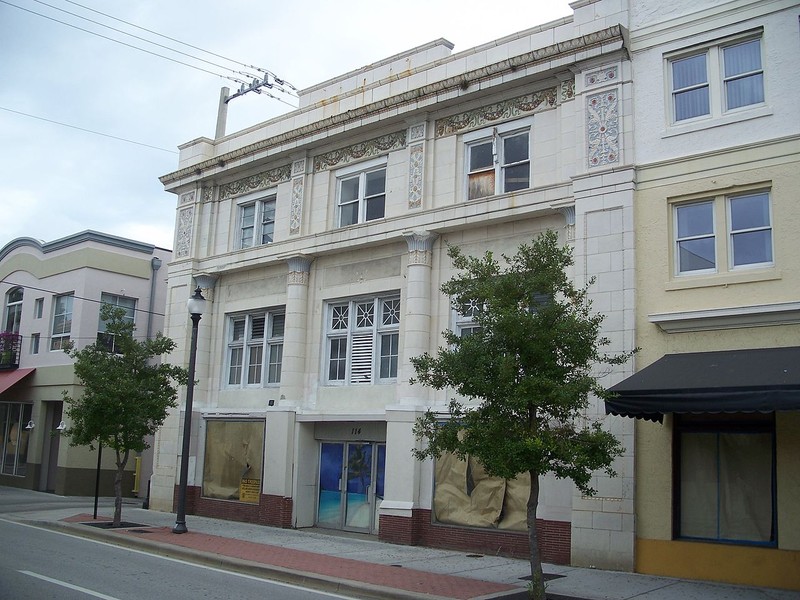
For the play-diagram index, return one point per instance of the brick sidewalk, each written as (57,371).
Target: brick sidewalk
(393,577)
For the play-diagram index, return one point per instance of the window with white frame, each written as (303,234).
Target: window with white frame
(62,322)
(256,222)
(125,303)
(255,348)
(716,79)
(498,163)
(361,193)
(363,340)
(13,311)
(747,241)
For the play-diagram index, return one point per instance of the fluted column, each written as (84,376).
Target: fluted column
(294,337)
(417,310)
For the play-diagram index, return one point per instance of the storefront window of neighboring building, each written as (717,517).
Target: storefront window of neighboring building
(14,437)
(746,242)
(13,314)
(232,467)
(363,340)
(255,348)
(716,79)
(62,322)
(498,164)
(725,488)
(361,195)
(257,222)
(127,304)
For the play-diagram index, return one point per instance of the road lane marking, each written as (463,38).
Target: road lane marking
(188,563)
(77,588)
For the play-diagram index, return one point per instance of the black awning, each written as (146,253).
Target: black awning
(760,380)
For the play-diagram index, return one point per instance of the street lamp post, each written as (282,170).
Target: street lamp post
(196,304)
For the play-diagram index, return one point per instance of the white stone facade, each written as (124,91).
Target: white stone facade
(414,117)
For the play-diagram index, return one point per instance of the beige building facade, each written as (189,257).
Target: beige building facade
(717,389)
(52,293)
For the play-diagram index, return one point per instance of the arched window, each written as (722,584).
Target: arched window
(13,310)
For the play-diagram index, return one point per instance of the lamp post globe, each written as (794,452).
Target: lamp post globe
(195,305)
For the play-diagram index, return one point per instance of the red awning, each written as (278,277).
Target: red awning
(9,378)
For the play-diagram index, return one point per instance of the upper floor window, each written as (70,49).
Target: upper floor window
(62,322)
(256,222)
(465,324)
(498,164)
(361,195)
(13,314)
(716,80)
(255,348)
(363,340)
(38,308)
(127,304)
(747,241)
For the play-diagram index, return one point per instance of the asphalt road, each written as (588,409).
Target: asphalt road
(38,564)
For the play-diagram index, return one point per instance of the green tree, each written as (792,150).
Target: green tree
(525,374)
(126,393)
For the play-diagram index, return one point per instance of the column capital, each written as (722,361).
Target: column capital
(299,269)
(420,243)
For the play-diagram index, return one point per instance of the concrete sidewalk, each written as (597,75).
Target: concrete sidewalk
(354,564)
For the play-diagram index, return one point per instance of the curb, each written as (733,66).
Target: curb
(304,579)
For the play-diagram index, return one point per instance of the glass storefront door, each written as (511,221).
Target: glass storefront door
(351,476)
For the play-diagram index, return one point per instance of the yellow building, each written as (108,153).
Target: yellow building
(717,388)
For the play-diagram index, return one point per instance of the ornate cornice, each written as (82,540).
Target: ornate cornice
(368,149)
(254,183)
(499,111)
(429,92)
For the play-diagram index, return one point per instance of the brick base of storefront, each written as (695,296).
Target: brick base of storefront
(420,530)
(275,511)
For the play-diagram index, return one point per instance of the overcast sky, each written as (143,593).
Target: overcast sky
(59,83)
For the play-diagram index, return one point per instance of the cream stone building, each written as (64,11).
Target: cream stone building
(717,392)
(51,295)
(319,240)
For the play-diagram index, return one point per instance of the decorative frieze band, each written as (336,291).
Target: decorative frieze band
(187,197)
(500,111)
(368,149)
(254,183)
(207,194)
(602,127)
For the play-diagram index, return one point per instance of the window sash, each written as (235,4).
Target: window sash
(361,197)
(716,80)
(364,348)
(695,242)
(498,165)
(750,230)
(62,322)
(257,223)
(253,337)
(14,456)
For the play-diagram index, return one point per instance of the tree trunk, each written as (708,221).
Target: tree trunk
(121,462)
(537,579)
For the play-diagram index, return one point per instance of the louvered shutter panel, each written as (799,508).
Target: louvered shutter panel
(361,358)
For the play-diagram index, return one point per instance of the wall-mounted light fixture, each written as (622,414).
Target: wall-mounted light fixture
(61,426)
(30,424)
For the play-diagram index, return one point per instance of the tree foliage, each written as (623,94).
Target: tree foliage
(525,374)
(126,393)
